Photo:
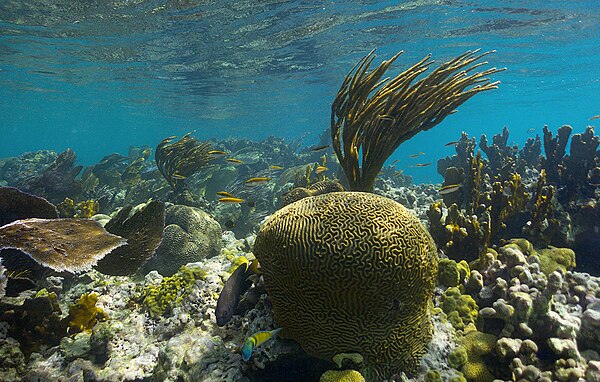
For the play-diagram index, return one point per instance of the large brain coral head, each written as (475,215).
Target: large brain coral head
(351,272)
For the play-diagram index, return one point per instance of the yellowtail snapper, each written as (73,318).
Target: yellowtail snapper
(257,180)
(321,169)
(231,200)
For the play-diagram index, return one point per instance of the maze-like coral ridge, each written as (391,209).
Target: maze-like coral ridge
(351,272)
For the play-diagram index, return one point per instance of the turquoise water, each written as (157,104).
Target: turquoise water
(99,76)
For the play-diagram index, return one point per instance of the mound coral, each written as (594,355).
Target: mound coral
(342,376)
(351,272)
(190,235)
(477,345)
(461,309)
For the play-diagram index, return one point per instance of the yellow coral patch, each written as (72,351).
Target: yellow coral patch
(84,314)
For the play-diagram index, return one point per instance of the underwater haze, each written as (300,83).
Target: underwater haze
(100,76)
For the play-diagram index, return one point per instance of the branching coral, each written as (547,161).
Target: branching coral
(371,117)
(57,181)
(178,160)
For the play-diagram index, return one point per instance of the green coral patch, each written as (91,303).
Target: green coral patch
(160,299)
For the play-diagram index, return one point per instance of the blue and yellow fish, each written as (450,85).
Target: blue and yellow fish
(256,340)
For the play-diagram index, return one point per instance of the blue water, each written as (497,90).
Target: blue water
(100,76)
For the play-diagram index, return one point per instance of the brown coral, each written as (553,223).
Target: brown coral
(351,272)
(143,230)
(72,245)
(371,117)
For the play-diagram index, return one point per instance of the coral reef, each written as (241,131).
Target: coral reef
(341,250)
(549,200)
(142,226)
(179,160)
(57,181)
(72,245)
(190,235)
(374,117)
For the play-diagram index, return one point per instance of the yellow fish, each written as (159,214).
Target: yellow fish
(274,167)
(256,340)
(416,155)
(451,143)
(257,180)
(234,161)
(423,164)
(230,199)
(321,169)
(225,193)
(217,153)
(177,175)
(595,117)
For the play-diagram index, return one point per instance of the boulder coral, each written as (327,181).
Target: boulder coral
(351,272)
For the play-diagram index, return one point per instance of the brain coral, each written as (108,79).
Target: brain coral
(190,235)
(351,272)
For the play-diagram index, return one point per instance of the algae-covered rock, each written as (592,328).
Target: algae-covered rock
(552,259)
(190,235)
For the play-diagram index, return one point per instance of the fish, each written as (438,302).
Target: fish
(445,190)
(387,117)
(225,193)
(451,143)
(423,164)
(236,285)
(416,155)
(234,161)
(274,167)
(177,175)
(319,148)
(231,200)
(256,340)
(595,117)
(396,161)
(217,153)
(320,169)
(257,180)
